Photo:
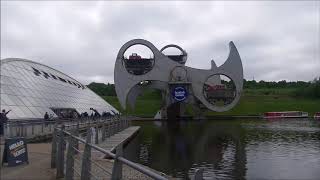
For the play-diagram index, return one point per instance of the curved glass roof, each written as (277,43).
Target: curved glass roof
(30,89)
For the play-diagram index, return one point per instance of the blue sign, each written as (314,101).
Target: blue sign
(180,93)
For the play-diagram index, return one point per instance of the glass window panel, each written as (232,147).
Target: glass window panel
(25,101)
(2,101)
(9,73)
(21,83)
(27,112)
(7,66)
(24,92)
(6,90)
(13,90)
(49,102)
(37,102)
(31,100)
(19,91)
(30,93)
(6,80)
(27,84)
(16,100)
(35,93)
(45,102)
(53,103)
(17,111)
(42,110)
(14,82)
(6,98)
(36,112)
(3,71)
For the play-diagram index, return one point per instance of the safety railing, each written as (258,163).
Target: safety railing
(72,155)
(33,128)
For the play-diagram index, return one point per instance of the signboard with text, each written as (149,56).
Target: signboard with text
(15,151)
(179,93)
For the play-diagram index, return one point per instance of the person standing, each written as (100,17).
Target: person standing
(3,120)
(46,118)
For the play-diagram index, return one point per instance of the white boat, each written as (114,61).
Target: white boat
(285,114)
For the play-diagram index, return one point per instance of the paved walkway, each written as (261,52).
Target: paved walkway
(121,137)
(40,154)
(38,167)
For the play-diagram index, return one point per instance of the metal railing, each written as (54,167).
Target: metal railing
(67,156)
(33,128)
(77,161)
(65,162)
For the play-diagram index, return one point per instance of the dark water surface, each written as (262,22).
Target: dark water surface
(230,149)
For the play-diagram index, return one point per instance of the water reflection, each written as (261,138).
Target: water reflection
(242,149)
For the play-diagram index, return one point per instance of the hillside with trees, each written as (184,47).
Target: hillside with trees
(257,98)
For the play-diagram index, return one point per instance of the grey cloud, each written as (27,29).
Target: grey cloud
(276,40)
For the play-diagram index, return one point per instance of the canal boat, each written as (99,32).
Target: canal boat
(285,114)
(317,115)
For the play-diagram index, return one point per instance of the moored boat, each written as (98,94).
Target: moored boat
(285,114)
(317,115)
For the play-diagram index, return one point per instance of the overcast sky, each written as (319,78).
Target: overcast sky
(276,40)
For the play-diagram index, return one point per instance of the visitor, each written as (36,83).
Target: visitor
(3,121)
(46,118)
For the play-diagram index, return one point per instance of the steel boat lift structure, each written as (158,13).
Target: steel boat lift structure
(179,84)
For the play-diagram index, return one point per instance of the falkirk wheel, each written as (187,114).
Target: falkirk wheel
(216,89)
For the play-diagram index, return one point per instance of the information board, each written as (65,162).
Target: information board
(15,151)
(179,93)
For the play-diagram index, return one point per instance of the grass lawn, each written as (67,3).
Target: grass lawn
(146,105)
(255,105)
(252,102)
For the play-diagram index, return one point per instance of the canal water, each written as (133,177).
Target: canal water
(230,149)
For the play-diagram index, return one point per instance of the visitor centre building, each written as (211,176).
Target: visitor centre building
(30,89)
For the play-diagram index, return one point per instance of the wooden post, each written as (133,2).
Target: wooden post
(60,154)
(54,148)
(86,162)
(198,174)
(103,133)
(122,124)
(117,165)
(76,133)
(97,134)
(118,126)
(108,130)
(70,157)
(111,129)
